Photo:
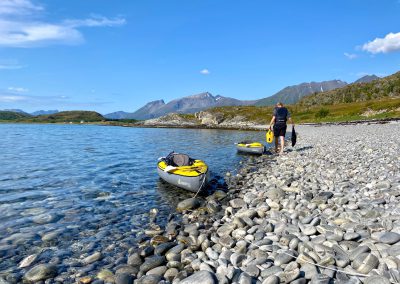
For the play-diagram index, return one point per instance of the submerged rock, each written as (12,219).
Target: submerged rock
(41,272)
(188,204)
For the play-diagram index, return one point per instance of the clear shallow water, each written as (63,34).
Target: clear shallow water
(69,190)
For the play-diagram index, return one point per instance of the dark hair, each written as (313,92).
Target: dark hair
(279,104)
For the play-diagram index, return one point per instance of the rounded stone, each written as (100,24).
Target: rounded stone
(160,270)
(174,252)
(157,240)
(106,275)
(284,258)
(188,204)
(275,194)
(41,272)
(252,270)
(45,218)
(271,280)
(211,253)
(351,236)
(376,279)
(152,262)
(365,262)
(309,230)
(386,237)
(244,278)
(236,259)
(291,275)
(320,279)
(92,258)
(27,261)
(149,279)
(135,259)
(170,274)
(200,277)
(238,203)
(123,278)
(163,248)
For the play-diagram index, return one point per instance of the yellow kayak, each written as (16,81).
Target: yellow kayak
(250,147)
(183,172)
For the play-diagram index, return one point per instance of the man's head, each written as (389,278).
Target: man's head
(279,104)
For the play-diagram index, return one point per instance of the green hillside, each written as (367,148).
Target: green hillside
(65,116)
(70,116)
(388,107)
(388,87)
(10,115)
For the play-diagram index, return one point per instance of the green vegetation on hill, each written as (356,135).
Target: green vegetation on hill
(65,116)
(259,115)
(10,115)
(388,87)
(374,109)
(365,110)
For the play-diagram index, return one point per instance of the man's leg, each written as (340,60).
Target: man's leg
(282,138)
(276,144)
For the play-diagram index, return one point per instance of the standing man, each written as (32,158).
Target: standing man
(279,119)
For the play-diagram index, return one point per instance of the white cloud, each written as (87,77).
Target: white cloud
(24,34)
(350,55)
(19,27)
(205,72)
(10,66)
(19,100)
(390,43)
(95,21)
(18,89)
(18,7)
(4,98)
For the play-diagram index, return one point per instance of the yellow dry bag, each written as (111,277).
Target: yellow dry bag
(269,136)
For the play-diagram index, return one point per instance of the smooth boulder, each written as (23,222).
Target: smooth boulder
(41,272)
(200,277)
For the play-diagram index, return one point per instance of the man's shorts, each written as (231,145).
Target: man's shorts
(280,130)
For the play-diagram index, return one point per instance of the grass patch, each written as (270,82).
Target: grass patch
(311,114)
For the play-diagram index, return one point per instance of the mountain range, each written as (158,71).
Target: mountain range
(202,101)
(293,94)
(35,113)
(373,89)
(189,104)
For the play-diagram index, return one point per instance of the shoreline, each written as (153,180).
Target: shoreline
(325,211)
(216,127)
(273,226)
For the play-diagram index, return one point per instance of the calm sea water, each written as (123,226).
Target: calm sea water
(78,188)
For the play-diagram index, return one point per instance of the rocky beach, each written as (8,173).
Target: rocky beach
(327,211)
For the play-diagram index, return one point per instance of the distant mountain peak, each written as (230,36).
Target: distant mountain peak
(201,96)
(367,79)
(292,94)
(157,102)
(188,104)
(44,112)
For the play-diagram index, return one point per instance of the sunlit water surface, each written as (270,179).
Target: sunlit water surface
(67,190)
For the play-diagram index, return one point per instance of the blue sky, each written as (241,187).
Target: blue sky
(118,55)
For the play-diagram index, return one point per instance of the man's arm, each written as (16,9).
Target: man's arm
(272,122)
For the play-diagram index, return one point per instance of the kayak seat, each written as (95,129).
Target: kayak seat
(181,160)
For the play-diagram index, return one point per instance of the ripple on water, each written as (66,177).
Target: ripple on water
(68,190)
